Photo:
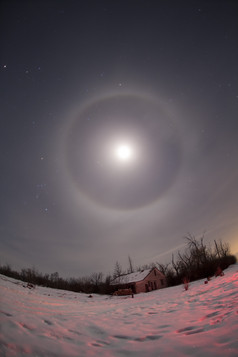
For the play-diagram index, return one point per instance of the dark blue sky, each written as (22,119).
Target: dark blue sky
(78,78)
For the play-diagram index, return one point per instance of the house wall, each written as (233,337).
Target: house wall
(154,280)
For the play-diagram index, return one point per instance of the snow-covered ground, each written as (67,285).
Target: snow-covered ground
(202,321)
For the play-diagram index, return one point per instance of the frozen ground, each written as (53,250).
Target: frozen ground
(202,321)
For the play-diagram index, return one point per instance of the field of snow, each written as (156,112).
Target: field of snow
(202,321)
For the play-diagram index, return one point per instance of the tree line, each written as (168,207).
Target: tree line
(197,261)
(95,283)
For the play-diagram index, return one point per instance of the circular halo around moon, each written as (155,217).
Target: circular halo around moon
(122,151)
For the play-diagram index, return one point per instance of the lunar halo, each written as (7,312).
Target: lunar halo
(121,151)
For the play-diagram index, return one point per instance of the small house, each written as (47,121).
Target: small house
(141,281)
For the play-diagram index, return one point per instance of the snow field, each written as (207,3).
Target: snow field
(202,321)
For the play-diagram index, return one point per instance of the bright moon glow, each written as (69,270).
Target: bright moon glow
(124,152)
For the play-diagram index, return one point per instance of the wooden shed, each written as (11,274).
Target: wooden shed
(141,281)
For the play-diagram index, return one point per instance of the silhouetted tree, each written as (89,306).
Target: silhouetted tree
(117,270)
(130,269)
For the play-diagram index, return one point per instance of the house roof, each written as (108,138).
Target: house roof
(132,277)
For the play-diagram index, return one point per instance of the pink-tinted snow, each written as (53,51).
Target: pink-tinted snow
(202,321)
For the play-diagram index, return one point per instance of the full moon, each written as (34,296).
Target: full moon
(123,152)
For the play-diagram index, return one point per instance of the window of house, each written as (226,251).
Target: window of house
(162,281)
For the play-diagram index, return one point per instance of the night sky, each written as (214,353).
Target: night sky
(119,131)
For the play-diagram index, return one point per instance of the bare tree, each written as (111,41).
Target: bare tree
(175,266)
(96,278)
(163,267)
(145,266)
(197,250)
(222,249)
(117,270)
(130,269)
